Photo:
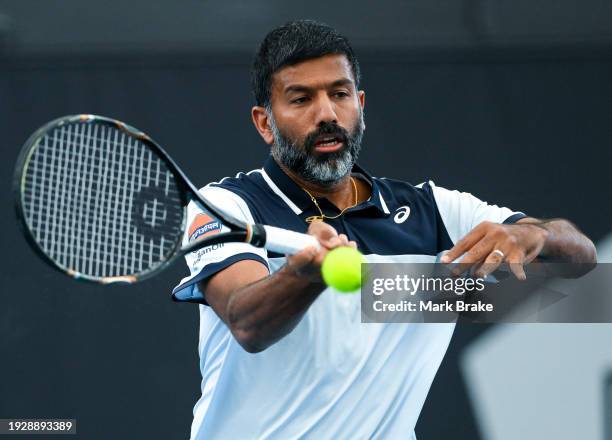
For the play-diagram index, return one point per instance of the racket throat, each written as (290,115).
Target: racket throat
(256,235)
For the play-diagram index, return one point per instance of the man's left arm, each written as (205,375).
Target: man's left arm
(563,243)
(490,244)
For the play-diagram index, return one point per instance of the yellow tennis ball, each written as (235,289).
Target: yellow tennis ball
(341,269)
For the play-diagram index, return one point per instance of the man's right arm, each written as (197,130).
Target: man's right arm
(260,309)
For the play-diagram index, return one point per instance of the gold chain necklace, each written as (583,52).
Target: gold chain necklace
(323,217)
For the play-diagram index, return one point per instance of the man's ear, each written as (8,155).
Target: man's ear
(260,118)
(361,97)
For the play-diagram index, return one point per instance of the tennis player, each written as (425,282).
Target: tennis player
(281,356)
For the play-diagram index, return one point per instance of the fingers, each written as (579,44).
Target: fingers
(463,245)
(474,256)
(516,261)
(343,240)
(490,264)
(478,253)
(335,242)
(328,236)
(489,245)
(518,271)
(303,258)
(307,262)
(323,232)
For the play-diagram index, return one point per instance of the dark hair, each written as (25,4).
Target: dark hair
(293,43)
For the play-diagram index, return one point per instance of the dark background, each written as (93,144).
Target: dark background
(511,103)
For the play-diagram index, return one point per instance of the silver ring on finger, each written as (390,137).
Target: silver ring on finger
(498,252)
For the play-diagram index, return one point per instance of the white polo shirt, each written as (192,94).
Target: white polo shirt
(332,376)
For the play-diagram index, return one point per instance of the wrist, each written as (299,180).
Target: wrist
(540,234)
(302,275)
(540,228)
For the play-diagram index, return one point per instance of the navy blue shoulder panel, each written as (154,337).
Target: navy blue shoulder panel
(444,240)
(423,224)
(247,187)
(266,206)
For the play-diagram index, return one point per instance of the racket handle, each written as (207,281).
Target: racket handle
(283,241)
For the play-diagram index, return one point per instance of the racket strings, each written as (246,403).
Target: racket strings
(100,202)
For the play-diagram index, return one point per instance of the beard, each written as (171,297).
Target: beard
(325,169)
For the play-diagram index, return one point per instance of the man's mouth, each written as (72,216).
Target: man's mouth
(328,143)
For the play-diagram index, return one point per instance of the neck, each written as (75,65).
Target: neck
(341,193)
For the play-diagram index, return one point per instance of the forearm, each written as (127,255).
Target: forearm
(261,313)
(564,242)
(260,309)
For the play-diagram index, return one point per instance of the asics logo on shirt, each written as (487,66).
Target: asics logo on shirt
(402,214)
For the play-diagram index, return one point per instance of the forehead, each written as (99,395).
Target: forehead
(313,72)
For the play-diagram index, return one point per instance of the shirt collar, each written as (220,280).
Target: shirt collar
(297,199)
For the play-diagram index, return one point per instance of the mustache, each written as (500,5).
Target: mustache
(325,128)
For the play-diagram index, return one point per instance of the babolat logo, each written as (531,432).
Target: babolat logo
(204,225)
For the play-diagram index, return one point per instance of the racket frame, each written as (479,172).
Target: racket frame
(239,230)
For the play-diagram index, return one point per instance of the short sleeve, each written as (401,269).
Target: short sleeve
(209,260)
(461,212)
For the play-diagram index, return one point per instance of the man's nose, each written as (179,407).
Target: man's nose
(325,111)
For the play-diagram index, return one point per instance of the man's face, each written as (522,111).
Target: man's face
(317,121)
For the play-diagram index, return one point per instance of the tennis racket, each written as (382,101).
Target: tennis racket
(101,201)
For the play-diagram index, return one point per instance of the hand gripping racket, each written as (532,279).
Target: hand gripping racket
(102,202)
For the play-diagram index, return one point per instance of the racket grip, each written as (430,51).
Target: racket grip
(283,241)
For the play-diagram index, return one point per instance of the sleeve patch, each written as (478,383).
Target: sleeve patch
(203,225)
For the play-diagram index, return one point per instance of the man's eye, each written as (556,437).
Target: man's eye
(300,100)
(341,94)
